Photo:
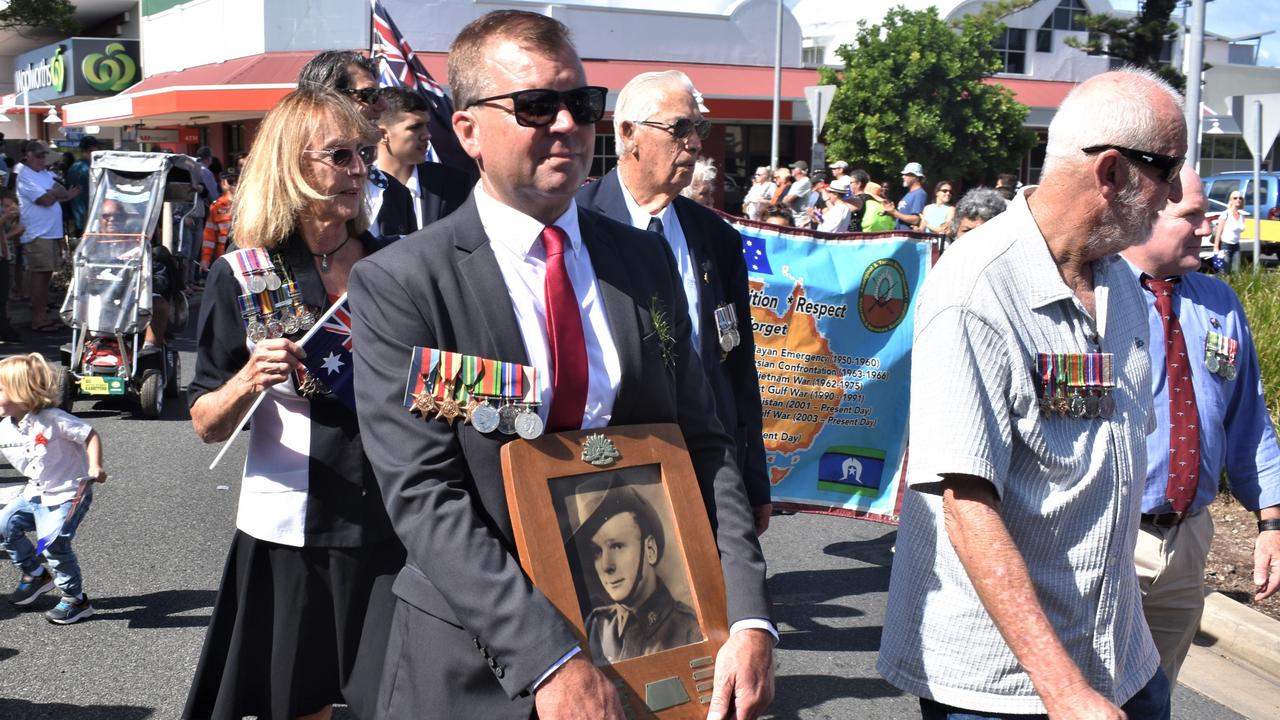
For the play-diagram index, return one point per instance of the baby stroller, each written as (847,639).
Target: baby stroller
(118,272)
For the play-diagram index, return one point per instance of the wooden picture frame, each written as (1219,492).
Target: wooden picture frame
(577,503)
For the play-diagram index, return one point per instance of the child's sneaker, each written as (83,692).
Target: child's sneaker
(69,610)
(31,587)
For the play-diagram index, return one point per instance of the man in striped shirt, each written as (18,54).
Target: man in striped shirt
(1013,589)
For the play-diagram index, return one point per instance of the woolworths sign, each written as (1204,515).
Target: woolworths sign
(77,67)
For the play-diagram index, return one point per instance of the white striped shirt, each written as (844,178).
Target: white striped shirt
(1070,489)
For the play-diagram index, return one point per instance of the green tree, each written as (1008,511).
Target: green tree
(52,17)
(1137,40)
(912,89)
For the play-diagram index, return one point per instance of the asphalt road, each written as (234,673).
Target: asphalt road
(153,545)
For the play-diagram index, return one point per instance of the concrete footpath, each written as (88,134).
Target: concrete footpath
(1236,658)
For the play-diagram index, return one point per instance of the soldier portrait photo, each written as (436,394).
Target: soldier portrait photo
(631,582)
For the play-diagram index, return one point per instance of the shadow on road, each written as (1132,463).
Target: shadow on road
(801,692)
(873,552)
(155,610)
(61,711)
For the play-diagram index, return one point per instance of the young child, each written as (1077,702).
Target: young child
(61,457)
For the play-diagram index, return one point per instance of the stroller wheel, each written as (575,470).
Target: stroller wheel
(68,390)
(151,395)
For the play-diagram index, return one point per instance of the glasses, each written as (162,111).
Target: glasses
(944,190)
(1167,165)
(342,157)
(682,128)
(538,107)
(366,96)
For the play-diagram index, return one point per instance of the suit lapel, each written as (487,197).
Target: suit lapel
(705,275)
(609,199)
(619,301)
(478,272)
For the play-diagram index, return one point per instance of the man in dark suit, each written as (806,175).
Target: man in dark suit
(436,189)
(659,128)
(475,639)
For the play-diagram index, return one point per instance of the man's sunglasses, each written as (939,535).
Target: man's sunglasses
(682,128)
(1167,165)
(367,96)
(342,157)
(539,107)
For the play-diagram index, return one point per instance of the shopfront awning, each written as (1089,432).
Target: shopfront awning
(221,92)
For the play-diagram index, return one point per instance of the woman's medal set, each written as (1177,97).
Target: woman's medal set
(489,394)
(272,306)
(1077,385)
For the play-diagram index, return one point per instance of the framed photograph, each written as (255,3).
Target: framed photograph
(610,525)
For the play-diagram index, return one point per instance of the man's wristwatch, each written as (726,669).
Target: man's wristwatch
(1265,525)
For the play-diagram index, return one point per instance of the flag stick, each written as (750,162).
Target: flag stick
(253,408)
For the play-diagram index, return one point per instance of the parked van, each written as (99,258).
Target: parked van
(1219,187)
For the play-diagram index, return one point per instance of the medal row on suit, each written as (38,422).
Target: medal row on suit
(1076,385)
(492,395)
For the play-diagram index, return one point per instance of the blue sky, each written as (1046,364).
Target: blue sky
(1234,18)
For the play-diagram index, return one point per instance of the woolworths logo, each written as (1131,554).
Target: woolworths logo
(50,72)
(111,71)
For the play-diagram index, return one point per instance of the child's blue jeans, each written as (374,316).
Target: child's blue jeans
(18,519)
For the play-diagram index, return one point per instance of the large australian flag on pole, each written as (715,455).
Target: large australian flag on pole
(398,66)
(328,348)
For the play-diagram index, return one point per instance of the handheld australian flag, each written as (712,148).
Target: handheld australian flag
(328,348)
(398,66)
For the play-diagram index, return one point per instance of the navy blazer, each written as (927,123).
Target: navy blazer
(444,189)
(472,634)
(716,249)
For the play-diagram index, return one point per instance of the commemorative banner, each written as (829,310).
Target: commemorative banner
(832,319)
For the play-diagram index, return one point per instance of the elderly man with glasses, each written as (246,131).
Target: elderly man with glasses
(659,128)
(522,274)
(1013,589)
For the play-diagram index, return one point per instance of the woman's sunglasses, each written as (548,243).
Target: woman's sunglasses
(342,157)
(538,107)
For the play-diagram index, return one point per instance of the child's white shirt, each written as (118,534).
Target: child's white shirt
(48,447)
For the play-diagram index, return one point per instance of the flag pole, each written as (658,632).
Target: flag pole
(253,408)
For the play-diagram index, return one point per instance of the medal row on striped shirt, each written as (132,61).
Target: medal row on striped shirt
(1076,385)
(489,394)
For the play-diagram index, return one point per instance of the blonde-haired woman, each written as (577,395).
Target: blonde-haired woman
(302,617)
(1226,236)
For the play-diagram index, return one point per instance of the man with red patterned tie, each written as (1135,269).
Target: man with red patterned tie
(1211,418)
(521,274)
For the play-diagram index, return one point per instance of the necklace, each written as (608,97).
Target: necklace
(324,257)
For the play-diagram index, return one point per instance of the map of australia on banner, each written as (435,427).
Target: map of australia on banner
(831,317)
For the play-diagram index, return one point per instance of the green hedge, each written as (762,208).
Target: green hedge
(1260,294)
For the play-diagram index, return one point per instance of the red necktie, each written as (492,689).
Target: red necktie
(1184,433)
(565,342)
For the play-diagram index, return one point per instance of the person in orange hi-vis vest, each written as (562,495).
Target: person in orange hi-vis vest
(218,225)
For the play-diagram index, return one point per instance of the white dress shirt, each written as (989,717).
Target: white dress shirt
(679,247)
(523,262)
(373,203)
(415,190)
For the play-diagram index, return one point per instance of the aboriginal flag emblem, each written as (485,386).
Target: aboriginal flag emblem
(883,296)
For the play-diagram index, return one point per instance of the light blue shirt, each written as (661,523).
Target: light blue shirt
(679,247)
(1236,435)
